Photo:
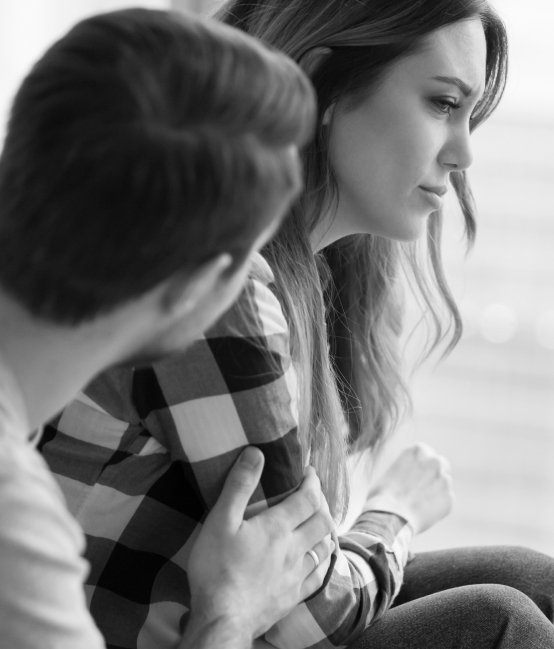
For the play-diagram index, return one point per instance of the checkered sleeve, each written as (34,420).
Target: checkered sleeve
(237,386)
(365,579)
(234,387)
(142,456)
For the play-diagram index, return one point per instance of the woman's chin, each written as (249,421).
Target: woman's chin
(412,228)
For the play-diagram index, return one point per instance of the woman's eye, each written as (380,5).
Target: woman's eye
(446,106)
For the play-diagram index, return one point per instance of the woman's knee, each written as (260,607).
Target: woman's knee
(526,558)
(499,600)
(531,572)
(480,616)
(507,617)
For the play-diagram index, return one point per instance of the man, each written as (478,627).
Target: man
(147,156)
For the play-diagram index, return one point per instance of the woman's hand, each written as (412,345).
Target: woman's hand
(245,575)
(417,486)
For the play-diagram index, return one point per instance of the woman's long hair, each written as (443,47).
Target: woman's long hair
(344,304)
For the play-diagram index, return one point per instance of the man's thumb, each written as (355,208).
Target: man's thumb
(240,485)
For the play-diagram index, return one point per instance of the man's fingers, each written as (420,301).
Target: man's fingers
(239,486)
(302,504)
(315,578)
(314,530)
(323,551)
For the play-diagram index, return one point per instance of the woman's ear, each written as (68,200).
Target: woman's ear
(328,115)
(185,291)
(310,62)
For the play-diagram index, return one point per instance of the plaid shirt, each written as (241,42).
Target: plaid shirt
(142,455)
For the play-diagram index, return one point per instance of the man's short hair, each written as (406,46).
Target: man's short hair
(143,144)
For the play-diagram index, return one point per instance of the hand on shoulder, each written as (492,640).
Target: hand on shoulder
(245,575)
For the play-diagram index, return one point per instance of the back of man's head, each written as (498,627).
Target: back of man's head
(142,145)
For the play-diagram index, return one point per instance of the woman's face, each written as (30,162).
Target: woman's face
(392,154)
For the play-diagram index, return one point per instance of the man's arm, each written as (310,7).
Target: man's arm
(245,575)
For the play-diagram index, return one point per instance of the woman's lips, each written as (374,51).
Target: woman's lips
(432,197)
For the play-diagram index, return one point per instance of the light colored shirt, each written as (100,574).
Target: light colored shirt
(143,454)
(42,601)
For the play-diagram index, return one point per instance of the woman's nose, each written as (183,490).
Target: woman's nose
(457,153)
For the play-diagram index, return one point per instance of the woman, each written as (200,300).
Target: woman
(307,361)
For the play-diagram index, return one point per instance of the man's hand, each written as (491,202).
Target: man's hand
(418,486)
(245,575)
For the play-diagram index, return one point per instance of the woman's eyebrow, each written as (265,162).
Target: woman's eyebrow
(456,81)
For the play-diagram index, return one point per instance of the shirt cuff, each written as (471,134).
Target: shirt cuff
(385,503)
(388,528)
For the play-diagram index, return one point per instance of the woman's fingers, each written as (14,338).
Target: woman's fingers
(417,486)
(445,465)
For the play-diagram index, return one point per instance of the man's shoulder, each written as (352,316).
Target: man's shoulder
(41,568)
(13,417)
(27,485)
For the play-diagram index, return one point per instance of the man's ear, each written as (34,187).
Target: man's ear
(183,292)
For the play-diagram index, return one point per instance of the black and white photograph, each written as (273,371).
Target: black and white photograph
(276,324)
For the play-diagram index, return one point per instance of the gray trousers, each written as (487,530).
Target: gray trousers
(470,598)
